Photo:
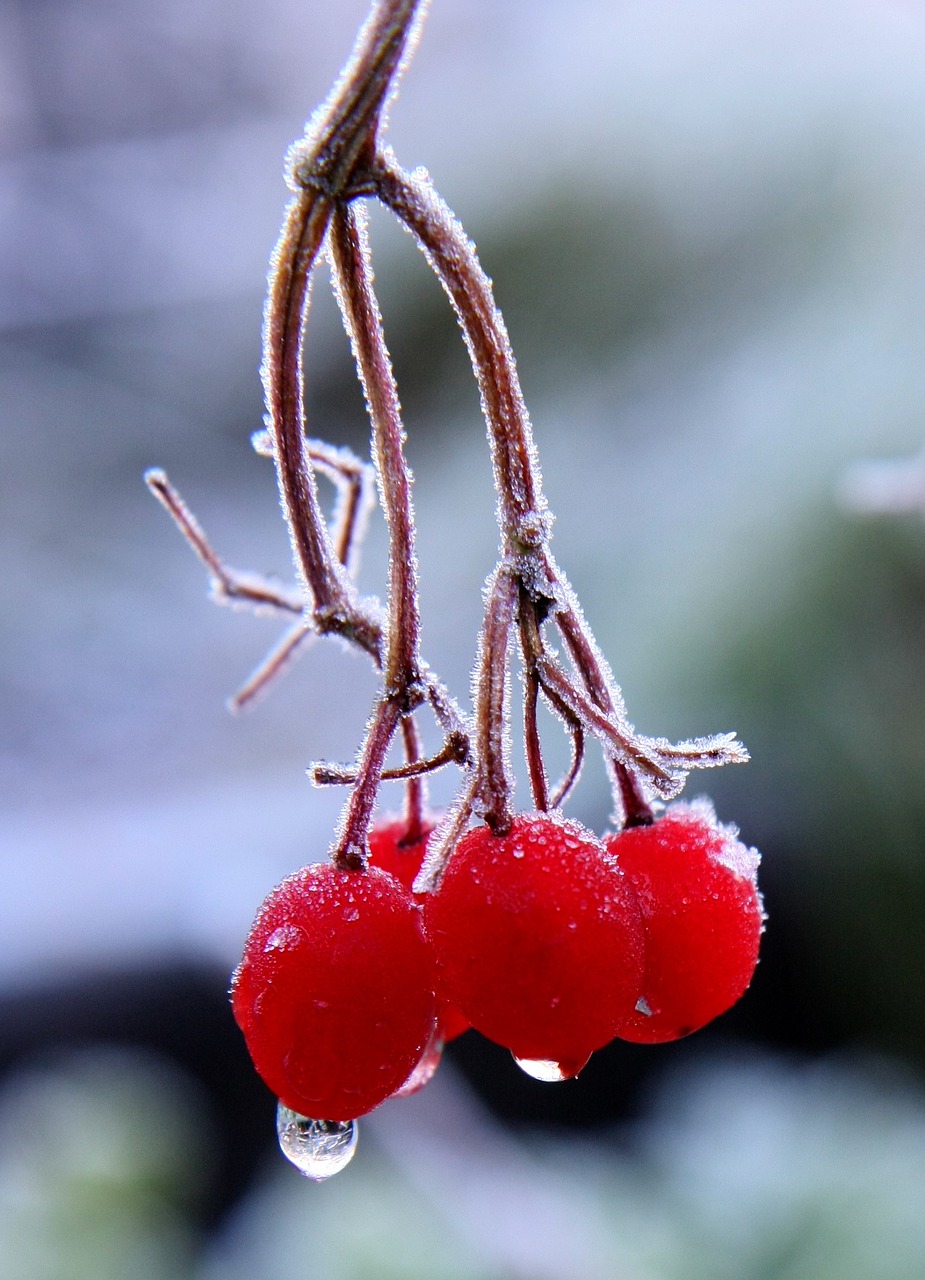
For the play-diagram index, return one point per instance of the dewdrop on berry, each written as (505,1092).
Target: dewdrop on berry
(426,1069)
(317,1148)
(545,1071)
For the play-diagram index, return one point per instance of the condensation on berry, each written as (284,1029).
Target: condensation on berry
(287,935)
(317,1148)
(541,1069)
(739,859)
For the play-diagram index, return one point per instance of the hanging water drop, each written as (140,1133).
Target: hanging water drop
(541,1069)
(423,1073)
(317,1148)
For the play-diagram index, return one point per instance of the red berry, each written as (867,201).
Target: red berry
(538,938)
(452,1021)
(703,917)
(391,851)
(334,992)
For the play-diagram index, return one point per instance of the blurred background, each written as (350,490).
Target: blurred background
(705,223)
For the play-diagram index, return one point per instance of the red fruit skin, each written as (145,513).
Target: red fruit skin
(538,938)
(389,852)
(703,917)
(334,992)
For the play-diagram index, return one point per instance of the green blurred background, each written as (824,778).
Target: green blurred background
(705,226)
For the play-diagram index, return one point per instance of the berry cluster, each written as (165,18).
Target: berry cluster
(547,940)
(527,927)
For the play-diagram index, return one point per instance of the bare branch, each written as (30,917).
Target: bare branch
(322,168)
(334,775)
(271,666)
(568,781)
(229,586)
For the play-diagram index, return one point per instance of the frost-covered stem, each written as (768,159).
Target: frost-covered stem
(539,784)
(636,809)
(271,666)
(522,511)
(350,850)
(445,839)
(402,685)
(531,644)
(451,254)
(294,258)
(574,770)
(362,318)
(333,775)
(228,585)
(623,747)
(322,170)
(493,782)
(414,787)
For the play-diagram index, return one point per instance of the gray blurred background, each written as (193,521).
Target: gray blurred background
(705,223)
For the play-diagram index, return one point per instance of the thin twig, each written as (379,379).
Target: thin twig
(271,666)
(229,586)
(415,789)
(531,644)
(334,775)
(569,779)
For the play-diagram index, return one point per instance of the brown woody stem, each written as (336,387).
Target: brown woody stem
(402,684)
(493,782)
(322,168)
(525,523)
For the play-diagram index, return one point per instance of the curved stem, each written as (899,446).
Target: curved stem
(569,779)
(634,807)
(322,167)
(525,524)
(300,243)
(363,321)
(452,256)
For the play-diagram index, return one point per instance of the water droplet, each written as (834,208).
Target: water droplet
(423,1073)
(317,1148)
(643,1006)
(541,1069)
